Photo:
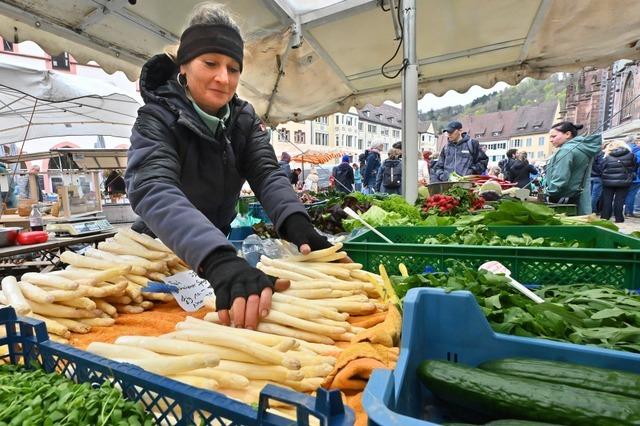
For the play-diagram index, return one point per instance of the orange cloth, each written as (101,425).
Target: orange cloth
(387,333)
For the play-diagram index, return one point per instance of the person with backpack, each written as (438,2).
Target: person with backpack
(343,175)
(193,145)
(618,172)
(389,177)
(461,155)
(521,169)
(371,169)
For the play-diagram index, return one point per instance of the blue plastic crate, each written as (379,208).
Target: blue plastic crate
(256,210)
(169,401)
(237,235)
(451,326)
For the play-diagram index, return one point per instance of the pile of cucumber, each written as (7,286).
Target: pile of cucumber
(535,391)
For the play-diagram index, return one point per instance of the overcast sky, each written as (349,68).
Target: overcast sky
(452,97)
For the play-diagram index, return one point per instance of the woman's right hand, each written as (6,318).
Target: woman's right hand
(247,312)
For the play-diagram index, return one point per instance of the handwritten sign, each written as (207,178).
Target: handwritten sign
(192,290)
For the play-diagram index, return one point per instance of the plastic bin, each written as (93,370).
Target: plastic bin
(169,401)
(256,210)
(237,235)
(608,263)
(451,326)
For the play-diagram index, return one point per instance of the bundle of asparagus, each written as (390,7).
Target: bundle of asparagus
(238,361)
(95,287)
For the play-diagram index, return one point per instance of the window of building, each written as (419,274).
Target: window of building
(338,119)
(372,128)
(61,62)
(396,134)
(360,126)
(348,120)
(517,143)
(360,143)
(390,119)
(299,136)
(321,139)
(366,113)
(349,141)
(284,135)
(7,46)
(627,96)
(337,140)
(495,133)
(529,142)
(540,154)
(541,141)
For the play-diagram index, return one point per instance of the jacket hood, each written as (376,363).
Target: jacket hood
(578,144)
(619,152)
(156,73)
(465,137)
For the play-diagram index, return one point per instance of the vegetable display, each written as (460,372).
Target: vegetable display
(481,235)
(33,397)
(500,395)
(584,314)
(454,201)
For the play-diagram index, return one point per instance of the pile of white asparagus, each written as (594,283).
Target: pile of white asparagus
(95,287)
(238,361)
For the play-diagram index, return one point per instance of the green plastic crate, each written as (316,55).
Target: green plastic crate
(615,260)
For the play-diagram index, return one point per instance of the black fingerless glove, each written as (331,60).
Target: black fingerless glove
(299,230)
(231,277)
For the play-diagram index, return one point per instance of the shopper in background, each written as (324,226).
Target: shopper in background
(295,177)
(389,176)
(568,169)
(24,188)
(506,163)
(424,174)
(357,177)
(618,171)
(596,182)
(520,170)
(373,164)
(461,154)
(343,175)
(193,145)
(630,202)
(285,159)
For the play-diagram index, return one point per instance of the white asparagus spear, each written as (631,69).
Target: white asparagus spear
(145,240)
(14,295)
(91,263)
(265,372)
(98,322)
(293,267)
(137,248)
(75,326)
(106,307)
(108,350)
(53,326)
(35,293)
(59,311)
(327,311)
(48,280)
(174,364)
(314,255)
(243,344)
(80,302)
(301,324)
(263,338)
(317,370)
(197,381)
(226,379)
(112,290)
(306,336)
(95,275)
(283,274)
(296,311)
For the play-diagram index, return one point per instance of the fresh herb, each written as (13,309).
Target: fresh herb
(31,396)
(584,314)
(481,235)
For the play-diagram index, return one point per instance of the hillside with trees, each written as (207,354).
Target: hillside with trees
(528,92)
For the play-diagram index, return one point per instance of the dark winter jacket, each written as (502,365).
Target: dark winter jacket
(635,149)
(343,174)
(618,168)
(458,157)
(371,169)
(286,168)
(505,167)
(184,182)
(519,172)
(379,186)
(596,167)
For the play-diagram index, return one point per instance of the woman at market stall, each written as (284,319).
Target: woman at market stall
(520,170)
(618,172)
(193,145)
(567,174)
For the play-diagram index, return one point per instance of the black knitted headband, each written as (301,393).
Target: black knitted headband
(208,38)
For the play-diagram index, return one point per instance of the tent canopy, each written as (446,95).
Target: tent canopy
(316,157)
(344,43)
(36,104)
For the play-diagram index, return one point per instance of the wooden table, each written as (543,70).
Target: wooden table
(23,221)
(50,251)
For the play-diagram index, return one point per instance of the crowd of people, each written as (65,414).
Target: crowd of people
(597,178)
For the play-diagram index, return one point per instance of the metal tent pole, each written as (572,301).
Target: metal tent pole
(409,103)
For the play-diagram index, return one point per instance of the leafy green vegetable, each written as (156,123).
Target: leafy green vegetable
(481,235)
(31,396)
(375,217)
(585,314)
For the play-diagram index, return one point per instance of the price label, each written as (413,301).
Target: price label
(192,290)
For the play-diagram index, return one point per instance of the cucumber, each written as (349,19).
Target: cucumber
(599,379)
(528,399)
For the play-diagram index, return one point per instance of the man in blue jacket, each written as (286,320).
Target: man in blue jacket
(461,155)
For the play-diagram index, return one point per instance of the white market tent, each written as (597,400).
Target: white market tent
(36,104)
(308,58)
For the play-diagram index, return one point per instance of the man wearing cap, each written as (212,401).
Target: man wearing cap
(343,175)
(461,154)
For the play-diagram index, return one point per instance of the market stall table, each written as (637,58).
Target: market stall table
(50,250)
